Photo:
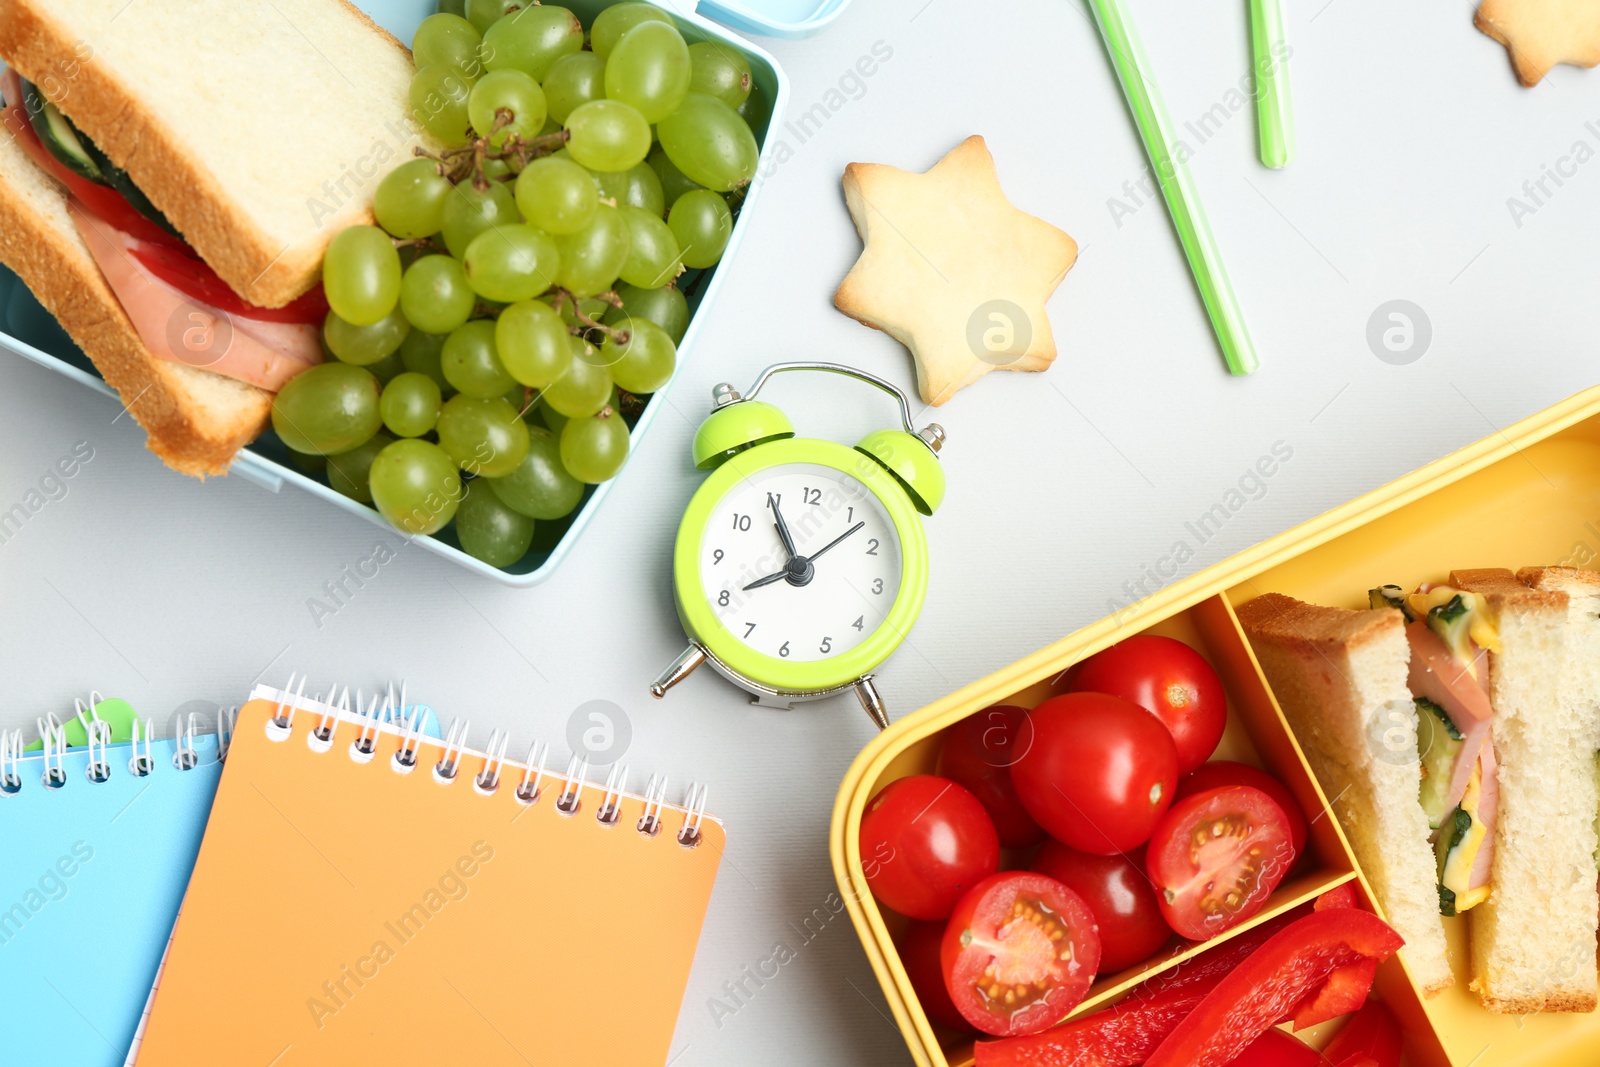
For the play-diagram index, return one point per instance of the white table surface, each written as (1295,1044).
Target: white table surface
(1063,486)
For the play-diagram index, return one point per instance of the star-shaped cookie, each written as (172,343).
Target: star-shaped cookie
(952,270)
(1541,33)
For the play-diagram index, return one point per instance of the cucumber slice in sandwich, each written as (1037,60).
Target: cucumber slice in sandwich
(61,139)
(80,155)
(118,179)
(1452,621)
(1390,596)
(1439,744)
(1450,842)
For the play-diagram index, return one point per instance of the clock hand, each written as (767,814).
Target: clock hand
(768,580)
(813,557)
(798,569)
(783,527)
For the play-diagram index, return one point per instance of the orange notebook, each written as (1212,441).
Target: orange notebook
(366,894)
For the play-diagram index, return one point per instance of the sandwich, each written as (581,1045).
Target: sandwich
(1341,678)
(170,177)
(1500,694)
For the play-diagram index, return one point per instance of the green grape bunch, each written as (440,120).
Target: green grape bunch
(495,335)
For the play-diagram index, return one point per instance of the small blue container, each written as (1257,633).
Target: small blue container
(25,328)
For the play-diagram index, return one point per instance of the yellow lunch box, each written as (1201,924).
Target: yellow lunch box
(1527,496)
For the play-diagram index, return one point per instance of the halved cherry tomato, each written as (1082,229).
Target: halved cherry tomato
(978,752)
(919,945)
(1168,679)
(1020,952)
(1216,858)
(1228,772)
(924,842)
(1118,891)
(1372,1032)
(1277,1049)
(193,277)
(1100,772)
(1276,977)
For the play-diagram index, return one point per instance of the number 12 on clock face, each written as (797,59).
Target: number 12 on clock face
(800,561)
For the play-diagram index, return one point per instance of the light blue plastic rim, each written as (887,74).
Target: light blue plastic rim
(273,475)
(744,18)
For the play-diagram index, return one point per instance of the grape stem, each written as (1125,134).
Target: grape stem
(468,161)
(426,244)
(564,296)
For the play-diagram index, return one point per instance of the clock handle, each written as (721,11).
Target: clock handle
(933,436)
(680,669)
(872,702)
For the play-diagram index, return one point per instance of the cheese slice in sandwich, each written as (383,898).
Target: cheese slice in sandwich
(1533,940)
(1341,678)
(241,159)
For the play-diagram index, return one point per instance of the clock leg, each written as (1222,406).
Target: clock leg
(681,668)
(871,701)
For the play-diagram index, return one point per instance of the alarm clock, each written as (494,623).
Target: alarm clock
(801,564)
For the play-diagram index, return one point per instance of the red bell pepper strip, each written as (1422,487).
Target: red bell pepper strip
(1344,992)
(1340,896)
(1277,1049)
(1267,986)
(1129,1030)
(1373,1033)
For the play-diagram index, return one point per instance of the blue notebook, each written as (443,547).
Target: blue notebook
(92,877)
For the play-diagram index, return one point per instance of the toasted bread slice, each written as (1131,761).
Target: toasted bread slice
(196,420)
(1533,939)
(259,130)
(1340,677)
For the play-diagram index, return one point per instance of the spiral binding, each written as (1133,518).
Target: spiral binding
(98,768)
(11,762)
(406,726)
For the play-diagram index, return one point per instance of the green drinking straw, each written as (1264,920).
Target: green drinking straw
(1274,116)
(1177,186)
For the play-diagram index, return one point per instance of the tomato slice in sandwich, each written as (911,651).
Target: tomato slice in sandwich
(1020,952)
(191,276)
(1216,857)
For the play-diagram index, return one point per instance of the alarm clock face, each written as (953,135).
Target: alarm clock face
(836,589)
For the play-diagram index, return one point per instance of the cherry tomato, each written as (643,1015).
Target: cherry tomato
(919,945)
(924,842)
(1227,772)
(1216,858)
(1167,678)
(1119,893)
(1100,772)
(978,752)
(1020,952)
